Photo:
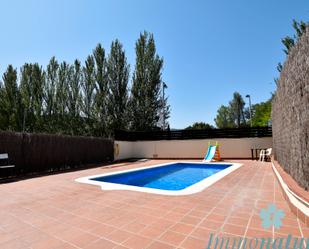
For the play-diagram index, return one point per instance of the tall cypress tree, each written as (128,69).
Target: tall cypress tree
(10,100)
(38,78)
(26,91)
(32,90)
(118,76)
(51,84)
(145,93)
(88,86)
(62,98)
(74,97)
(89,99)
(3,125)
(101,90)
(62,89)
(237,105)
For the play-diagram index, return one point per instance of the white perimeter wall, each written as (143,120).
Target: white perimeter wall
(125,150)
(229,148)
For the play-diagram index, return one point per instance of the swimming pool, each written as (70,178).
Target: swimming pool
(178,178)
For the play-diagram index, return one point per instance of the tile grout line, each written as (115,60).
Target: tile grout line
(167,229)
(226,194)
(255,206)
(164,231)
(261,184)
(65,241)
(149,225)
(76,227)
(301,232)
(112,205)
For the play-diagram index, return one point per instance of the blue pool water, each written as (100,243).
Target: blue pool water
(176,176)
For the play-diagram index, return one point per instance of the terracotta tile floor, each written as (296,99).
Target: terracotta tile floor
(56,212)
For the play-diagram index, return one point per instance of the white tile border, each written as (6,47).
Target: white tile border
(195,188)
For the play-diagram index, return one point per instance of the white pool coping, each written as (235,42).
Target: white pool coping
(195,188)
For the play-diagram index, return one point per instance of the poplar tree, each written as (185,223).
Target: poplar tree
(87,99)
(9,100)
(237,105)
(31,91)
(88,87)
(38,78)
(62,91)
(145,93)
(74,97)
(101,90)
(26,90)
(118,76)
(3,123)
(50,89)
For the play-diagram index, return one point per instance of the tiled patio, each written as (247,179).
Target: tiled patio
(57,212)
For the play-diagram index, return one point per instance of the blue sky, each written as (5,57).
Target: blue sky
(210,48)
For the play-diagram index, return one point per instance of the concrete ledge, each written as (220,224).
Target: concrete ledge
(297,201)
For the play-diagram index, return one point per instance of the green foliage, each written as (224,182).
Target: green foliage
(86,99)
(74,98)
(31,91)
(88,87)
(237,110)
(118,77)
(289,42)
(50,89)
(261,113)
(3,108)
(236,115)
(101,89)
(223,118)
(233,115)
(9,101)
(199,126)
(146,102)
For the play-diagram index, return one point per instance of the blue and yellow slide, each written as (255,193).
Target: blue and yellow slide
(212,153)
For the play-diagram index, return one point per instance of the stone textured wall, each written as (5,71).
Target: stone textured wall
(290,114)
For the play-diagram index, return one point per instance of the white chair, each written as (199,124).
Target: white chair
(265,154)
